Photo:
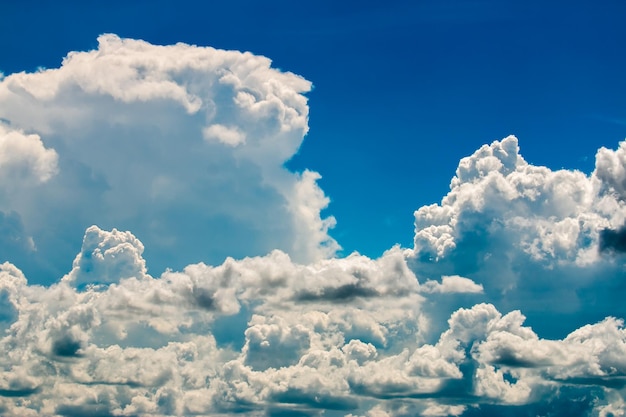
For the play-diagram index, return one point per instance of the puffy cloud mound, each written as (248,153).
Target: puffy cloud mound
(529,234)
(107,257)
(178,143)
(23,158)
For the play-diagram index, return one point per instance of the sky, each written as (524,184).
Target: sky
(331,209)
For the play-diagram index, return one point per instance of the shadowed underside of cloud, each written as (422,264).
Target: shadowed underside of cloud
(613,240)
(180,141)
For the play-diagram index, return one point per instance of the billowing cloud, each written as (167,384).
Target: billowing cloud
(529,234)
(178,143)
(23,158)
(348,335)
(177,152)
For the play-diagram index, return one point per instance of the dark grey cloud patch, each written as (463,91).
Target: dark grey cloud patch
(19,392)
(315,400)
(339,294)
(66,347)
(613,240)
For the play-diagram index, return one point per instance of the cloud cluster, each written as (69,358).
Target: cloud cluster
(181,144)
(346,336)
(529,234)
(185,146)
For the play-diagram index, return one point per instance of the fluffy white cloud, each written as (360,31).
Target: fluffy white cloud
(452,284)
(224,134)
(178,143)
(24,159)
(529,234)
(186,146)
(107,257)
(339,334)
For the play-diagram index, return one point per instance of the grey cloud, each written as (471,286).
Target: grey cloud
(339,294)
(16,245)
(315,400)
(96,410)
(19,392)
(293,359)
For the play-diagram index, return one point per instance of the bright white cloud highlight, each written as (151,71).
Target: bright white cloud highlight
(224,134)
(24,159)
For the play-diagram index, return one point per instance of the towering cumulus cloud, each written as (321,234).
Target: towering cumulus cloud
(177,154)
(181,144)
(531,235)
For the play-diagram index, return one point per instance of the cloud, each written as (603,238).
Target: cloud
(529,234)
(24,159)
(161,155)
(145,346)
(107,257)
(184,145)
(224,134)
(452,284)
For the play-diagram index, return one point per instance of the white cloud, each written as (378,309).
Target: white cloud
(186,147)
(546,213)
(338,334)
(226,135)
(452,284)
(107,257)
(132,136)
(528,234)
(611,170)
(24,159)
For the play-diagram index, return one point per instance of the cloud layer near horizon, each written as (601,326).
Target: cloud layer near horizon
(187,145)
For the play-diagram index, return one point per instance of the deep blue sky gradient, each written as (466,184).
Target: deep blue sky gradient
(403,89)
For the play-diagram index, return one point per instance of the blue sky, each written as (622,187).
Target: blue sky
(183,185)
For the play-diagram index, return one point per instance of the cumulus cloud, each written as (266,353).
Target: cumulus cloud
(107,257)
(23,158)
(452,284)
(340,334)
(178,143)
(185,146)
(224,134)
(529,234)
